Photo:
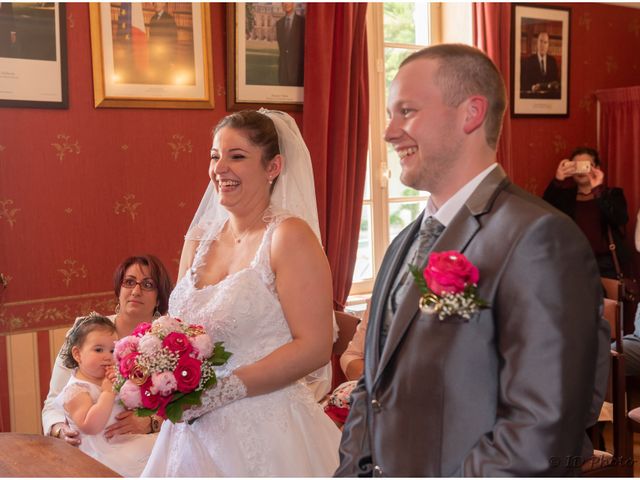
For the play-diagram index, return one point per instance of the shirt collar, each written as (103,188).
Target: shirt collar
(450,208)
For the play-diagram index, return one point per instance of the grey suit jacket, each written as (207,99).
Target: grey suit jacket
(509,392)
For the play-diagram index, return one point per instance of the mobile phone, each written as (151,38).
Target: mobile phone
(583,166)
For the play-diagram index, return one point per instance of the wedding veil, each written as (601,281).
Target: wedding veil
(294,190)
(294,193)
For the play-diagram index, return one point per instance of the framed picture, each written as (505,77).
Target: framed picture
(265,55)
(151,55)
(540,63)
(33,55)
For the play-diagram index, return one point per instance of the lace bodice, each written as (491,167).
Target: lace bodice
(242,310)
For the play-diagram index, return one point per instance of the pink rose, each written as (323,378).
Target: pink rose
(167,324)
(163,383)
(130,395)
(127,363)
(178,343)
(188,374)
(125,346)
(141,329)
(202,346)
(449,272)
(149,344)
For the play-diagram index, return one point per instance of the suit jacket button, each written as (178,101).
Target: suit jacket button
(376,405)
(377,471)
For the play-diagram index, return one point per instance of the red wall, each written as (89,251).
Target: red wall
(604,53)
(67,208)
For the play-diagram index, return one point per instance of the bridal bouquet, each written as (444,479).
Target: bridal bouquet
(449,285)
(165,366)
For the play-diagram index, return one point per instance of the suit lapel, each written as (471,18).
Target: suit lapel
(458,234)
(381,294)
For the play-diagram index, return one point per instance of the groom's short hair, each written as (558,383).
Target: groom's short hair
(464,71)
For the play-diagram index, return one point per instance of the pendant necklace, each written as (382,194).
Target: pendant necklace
(239,238)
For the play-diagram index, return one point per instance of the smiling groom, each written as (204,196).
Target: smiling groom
(507,391)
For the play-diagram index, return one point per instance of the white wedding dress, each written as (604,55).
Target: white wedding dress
(283,433)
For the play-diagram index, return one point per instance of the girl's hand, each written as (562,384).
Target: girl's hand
(107,384)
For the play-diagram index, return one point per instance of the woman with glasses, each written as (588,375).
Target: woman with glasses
(142,287)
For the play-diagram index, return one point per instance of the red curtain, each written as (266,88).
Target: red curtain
(619,144)
(336,129)
(491,34)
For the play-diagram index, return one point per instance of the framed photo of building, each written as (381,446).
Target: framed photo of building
(540,62)
(151,55)
(33,55)
(265,55)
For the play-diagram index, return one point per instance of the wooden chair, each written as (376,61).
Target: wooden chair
(613,313)
(347,324)
(620,462)
(611,288)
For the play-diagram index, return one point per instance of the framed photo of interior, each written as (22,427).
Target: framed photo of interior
(33,55)
(265,55)
(540,38)
(151,55)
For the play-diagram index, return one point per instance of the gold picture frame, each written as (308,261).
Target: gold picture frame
(145,57)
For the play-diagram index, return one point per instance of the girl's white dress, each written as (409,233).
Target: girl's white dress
(125,454)
(283,433)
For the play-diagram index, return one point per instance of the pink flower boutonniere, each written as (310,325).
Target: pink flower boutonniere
(449,285)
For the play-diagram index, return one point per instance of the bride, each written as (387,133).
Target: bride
(253,272)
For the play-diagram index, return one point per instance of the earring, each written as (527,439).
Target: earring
(270,181)
(156,314)
(117,308)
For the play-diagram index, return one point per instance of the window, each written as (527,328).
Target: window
(395,30)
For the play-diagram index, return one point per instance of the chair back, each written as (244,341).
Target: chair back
(612,312)
(620,462)
(611,288)
(347,324)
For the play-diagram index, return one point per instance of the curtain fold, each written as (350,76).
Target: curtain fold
(336,129)
(491,34)
(619,145)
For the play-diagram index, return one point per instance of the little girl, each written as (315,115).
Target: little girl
(89,399)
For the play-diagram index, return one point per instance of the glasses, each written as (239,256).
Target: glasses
(147,285)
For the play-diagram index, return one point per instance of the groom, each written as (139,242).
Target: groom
(509,391)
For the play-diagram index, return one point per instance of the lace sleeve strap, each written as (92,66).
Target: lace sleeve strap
(225,391)
(73,390)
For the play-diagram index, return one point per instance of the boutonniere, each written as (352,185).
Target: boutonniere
(449,285)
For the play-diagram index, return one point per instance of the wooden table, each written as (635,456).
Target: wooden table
(28,455)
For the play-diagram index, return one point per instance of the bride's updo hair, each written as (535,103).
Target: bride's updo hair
(260,128)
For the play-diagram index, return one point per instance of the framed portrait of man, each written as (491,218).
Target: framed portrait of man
(33,55)
(540,63)
(265,55)
(151,55)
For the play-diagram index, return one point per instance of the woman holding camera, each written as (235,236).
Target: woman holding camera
(578,190)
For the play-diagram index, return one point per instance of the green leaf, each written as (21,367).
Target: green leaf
(174,412)
(144,412)
(419,279)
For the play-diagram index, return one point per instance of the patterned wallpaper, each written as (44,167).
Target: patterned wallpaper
(82,188)
(605,41)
